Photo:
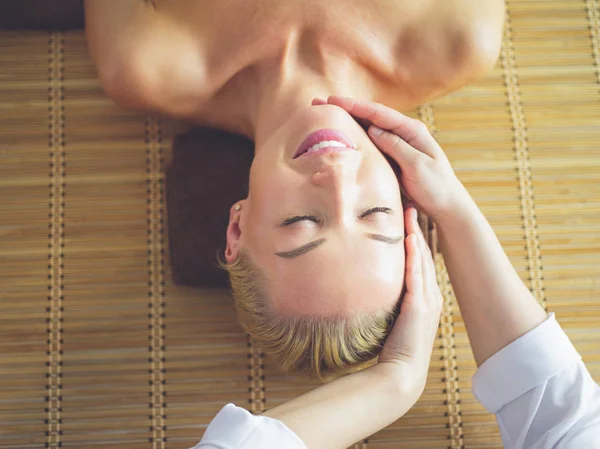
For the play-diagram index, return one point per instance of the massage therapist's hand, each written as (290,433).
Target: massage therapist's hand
(408,347)
(426,174)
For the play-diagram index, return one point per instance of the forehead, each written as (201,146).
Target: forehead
(337,280)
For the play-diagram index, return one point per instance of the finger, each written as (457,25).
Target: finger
(362,122)
(430,283)
(431,292)
(426,267)
(405,340)
(414,272)
(378,114)
(395,147)
(410,130)
(411,223)
(410,339)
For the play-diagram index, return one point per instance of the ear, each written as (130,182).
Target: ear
(234,232)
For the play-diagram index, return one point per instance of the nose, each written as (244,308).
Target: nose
(339,182)
(335,176)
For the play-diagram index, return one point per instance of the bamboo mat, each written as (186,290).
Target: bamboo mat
(98,348)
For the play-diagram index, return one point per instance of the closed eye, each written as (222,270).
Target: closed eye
(291,220)
(374,210)
(297,218)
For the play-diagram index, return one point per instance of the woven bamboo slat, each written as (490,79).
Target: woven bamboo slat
(98,347)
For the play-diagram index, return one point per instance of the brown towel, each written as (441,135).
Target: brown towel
(42,15)
(208,174)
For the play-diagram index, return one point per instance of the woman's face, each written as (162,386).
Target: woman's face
(325,229)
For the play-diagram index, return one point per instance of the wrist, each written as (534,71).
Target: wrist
(461,210)
(400,384)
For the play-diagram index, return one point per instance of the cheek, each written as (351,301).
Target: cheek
(379,174)
(267,181)
(389,281)
(388,267)
(393,272)
(273,192)
(271,197)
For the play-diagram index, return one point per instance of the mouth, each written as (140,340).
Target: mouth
(324,141)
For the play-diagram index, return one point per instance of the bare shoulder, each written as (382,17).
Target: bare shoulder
(144,60)
(474,32)
(452,43)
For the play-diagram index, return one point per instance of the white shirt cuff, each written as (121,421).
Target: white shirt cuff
(236,428)
(532,359)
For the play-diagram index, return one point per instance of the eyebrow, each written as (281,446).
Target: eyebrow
(386,239)
(316,243)
(301,250)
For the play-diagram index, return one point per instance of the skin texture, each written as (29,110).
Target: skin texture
(253,67)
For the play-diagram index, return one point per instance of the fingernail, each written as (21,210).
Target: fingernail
(375,130)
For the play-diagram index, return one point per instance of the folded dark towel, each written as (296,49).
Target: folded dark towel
(41,15)
(208,174)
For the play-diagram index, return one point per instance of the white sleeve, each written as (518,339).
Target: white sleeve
(236,428)
(541,392)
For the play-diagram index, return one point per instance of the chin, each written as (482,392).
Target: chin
(321,116)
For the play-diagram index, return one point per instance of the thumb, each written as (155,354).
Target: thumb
(394,146)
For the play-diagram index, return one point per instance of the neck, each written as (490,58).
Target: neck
(273,91)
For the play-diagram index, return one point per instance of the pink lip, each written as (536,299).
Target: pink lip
(321,135)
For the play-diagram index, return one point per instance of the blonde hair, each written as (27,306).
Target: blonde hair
(323,347)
